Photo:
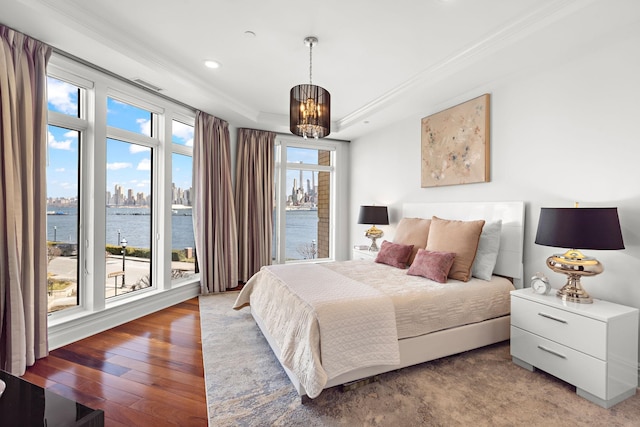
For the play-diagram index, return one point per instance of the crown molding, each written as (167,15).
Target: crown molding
(78,16)
(507,35)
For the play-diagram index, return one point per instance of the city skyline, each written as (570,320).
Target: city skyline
(179,196)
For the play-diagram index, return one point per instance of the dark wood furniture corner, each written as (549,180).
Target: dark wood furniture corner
(28,405)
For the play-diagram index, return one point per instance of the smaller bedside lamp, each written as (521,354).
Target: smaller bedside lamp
(374,215)
(578,228)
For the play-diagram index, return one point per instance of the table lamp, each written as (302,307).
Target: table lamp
(578,228)
(374,215)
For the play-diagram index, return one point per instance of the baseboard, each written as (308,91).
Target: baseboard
(63,333)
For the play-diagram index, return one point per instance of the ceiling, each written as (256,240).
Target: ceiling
(378,59)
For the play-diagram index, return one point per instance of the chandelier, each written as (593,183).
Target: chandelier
(310,105)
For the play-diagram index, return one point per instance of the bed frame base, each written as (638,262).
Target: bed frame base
(413,350)
(352,385)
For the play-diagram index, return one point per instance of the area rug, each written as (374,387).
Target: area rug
(246,386)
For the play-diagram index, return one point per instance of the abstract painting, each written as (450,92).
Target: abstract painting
(455,144)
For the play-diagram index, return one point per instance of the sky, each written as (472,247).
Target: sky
(128,165)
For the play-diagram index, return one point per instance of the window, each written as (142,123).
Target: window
(181,133)
(62,218)
(125,116)
(63,97)
(63,195)
(120,165)
(183,248)
(128,218)
(302,230)
(129,213)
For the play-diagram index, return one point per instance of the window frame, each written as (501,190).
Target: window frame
(94,312)
(183,150)
(280,183)
(81,124)
(152,142)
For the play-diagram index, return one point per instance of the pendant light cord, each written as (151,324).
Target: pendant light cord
(310,61)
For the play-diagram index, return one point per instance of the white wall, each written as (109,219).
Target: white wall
(562,132)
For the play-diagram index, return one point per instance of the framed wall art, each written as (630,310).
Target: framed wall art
(455,144)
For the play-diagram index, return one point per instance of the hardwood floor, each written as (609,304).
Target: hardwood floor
(147,372)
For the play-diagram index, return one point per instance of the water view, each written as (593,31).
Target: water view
(133,224)
(301,233)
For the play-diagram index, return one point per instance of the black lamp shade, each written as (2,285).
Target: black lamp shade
(376,215)
(580,228)
(310,111)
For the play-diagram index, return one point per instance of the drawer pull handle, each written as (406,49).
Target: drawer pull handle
(552,352)
(548,316)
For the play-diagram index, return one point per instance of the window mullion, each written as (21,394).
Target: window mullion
(282,212)
(66,121)
(131,137)
(95,182)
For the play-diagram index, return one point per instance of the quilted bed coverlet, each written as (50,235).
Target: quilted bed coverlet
(325,323)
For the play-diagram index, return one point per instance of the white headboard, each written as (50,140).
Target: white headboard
(510,257)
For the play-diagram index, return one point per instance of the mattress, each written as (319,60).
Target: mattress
(423,306)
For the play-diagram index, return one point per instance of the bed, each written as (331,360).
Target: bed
(336,323)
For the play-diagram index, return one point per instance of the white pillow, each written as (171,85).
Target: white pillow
(487,253)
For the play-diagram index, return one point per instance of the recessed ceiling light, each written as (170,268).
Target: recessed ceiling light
(249,34)
(211,64)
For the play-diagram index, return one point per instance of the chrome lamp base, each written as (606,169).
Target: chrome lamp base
(373,233)
(575,265)
(574,292)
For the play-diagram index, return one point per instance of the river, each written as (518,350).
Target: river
(133,224)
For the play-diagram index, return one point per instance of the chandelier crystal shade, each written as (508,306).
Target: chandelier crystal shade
(310,105)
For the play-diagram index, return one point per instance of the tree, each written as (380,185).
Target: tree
(308,250)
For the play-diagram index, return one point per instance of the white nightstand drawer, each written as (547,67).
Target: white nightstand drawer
(363,254)
(578,332)
(579,369)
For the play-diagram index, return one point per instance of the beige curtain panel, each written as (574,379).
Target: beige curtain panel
(214,218)
(254,200)
(23,241)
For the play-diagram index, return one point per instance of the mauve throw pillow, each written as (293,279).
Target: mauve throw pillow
(394,254)
(432,265)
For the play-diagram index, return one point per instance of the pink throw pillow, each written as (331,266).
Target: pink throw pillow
(432,265)
(394,254)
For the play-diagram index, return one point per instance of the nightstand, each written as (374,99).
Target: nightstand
(363,254)
(591,346)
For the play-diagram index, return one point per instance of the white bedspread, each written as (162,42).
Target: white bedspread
(423,306)
(325,323)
